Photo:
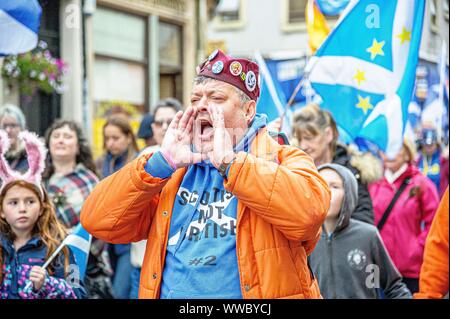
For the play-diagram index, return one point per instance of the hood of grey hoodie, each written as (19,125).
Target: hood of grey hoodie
(350,194)
(341,262)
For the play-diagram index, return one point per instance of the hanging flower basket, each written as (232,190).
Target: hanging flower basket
(34,70)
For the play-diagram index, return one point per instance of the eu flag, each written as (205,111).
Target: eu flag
(365,70)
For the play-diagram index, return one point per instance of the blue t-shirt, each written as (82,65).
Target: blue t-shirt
(201,257)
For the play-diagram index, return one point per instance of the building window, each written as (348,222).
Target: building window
(118,81)
(228,10)
(445,7)
(119,35)
(293,12)
(120,69)
(434,19)
(170,60)
(230,14)
(296,13)
(119,42)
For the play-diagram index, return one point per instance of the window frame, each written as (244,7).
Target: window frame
(434,19)
(176,73)
(144,63)
(234,24)
(287,26)
(445,13)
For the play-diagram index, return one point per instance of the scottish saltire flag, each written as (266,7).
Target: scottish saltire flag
(79,242)
(272,100)
(19,26)
(365,69)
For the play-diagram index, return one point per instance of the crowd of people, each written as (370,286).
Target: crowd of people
(221,210)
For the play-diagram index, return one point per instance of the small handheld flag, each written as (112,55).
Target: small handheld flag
(79,242)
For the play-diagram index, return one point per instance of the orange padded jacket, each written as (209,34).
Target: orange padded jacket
(282,203)
(433,281)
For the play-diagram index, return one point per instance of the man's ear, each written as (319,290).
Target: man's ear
(249,111)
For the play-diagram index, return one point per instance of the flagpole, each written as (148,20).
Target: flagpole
(308,90)
(294,94)
(49,261)
(291,100)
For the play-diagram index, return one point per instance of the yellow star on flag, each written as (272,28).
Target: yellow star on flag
(360,76)
(364,104)
(376,49)
(404,36)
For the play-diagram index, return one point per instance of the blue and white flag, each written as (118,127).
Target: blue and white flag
(79,242)
(332,7)
(19,26)
(272,101)
(365,69)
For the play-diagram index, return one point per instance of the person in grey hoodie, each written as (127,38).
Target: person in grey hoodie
(350,260)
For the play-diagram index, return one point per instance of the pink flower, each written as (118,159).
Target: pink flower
(60,65)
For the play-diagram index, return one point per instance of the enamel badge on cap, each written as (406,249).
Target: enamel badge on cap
(250,81)
(217,67)
(213,55)
(236,68)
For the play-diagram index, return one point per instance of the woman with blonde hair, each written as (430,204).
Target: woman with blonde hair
(316,132)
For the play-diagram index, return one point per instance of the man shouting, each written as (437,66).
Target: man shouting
(226,211)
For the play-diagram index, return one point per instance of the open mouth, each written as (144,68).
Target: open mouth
(206,128)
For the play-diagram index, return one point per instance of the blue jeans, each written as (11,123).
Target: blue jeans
(121,264)
(135,278)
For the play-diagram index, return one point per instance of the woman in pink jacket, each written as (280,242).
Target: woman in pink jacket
(405,228)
